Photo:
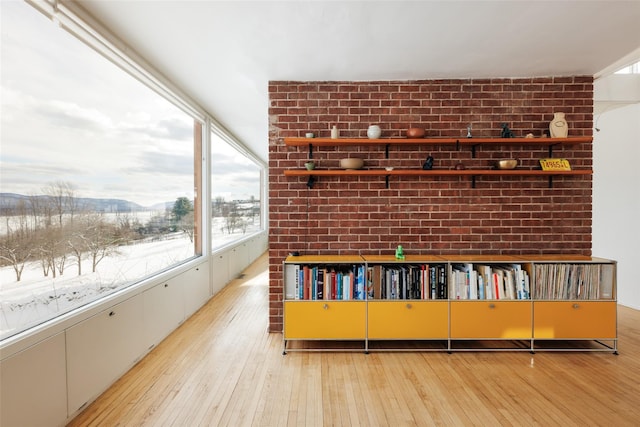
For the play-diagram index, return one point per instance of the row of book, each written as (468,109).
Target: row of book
(573,281)
(490,282)
(336,282)
(399,281)
(468,281)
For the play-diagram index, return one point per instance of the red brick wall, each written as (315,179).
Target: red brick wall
(426,215)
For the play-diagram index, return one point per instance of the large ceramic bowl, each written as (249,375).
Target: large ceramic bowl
(351,163)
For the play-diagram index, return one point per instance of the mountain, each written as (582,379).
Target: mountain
(9,201)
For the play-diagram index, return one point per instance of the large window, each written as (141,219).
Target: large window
(97,175)
(236,184)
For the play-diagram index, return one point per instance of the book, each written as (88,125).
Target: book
(360,283)
(473,283)
(442,282)
(484,271)
(306,282)
(320,283)
(292,281)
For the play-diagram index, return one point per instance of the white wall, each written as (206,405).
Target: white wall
(616,196)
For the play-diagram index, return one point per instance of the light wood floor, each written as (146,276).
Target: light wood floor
(222,368)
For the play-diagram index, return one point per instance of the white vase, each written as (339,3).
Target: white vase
(558,127)
(374,132)
(335,133)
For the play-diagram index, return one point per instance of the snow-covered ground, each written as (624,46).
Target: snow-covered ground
(36,299)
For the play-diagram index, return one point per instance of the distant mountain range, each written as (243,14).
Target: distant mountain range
(11,200)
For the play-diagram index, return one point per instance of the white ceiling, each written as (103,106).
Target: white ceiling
(224,53)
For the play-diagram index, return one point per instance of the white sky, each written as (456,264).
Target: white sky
(68,114)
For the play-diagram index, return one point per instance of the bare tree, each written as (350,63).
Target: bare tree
(77,245)
(51,250)
(15,250)
(101,240)
(187,225)
(62,199)
(41,210)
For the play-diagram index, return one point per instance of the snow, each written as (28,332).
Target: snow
(36,299)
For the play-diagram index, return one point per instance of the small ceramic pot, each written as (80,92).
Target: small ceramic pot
(310,166)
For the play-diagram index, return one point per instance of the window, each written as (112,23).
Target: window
(630,69)
(97,175)
(236,193)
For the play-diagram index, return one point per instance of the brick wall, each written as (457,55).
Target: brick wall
(427,215)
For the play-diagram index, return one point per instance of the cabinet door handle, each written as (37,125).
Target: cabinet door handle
(492,306)
(576,306)
(409,306)
(112,313)
(166,285)
(326,306)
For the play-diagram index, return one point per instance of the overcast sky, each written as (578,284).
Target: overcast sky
(70,115)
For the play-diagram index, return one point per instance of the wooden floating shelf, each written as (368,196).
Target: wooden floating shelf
(472,173)
(300,142)
(433,172)
(470,142)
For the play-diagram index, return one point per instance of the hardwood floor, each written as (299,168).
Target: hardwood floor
(222,368)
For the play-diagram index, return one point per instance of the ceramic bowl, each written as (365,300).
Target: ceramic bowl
(415,133)
(506,164)
(351,163)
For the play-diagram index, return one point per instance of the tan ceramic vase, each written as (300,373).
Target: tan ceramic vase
(558,127)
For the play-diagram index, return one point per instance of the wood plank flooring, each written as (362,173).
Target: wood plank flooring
(222,368)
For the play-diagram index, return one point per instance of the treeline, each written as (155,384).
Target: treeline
(57,232)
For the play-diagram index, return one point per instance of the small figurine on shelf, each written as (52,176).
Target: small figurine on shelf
(399,252)
(469,131)
(428,164)
(506,132)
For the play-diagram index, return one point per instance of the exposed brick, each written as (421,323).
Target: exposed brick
(508,215)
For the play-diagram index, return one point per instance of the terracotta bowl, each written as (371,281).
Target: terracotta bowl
(415,133)
(351,163)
